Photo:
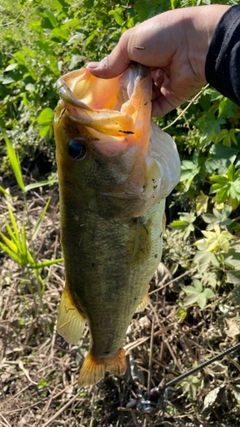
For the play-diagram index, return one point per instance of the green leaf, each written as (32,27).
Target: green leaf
(222,193)
(222,157)
(191,299)
(12,235)
(39,184)
(50,17)
(201,203)
(11,67)
(217,240)
(209,293)
(220,218)
(45,120)
(59,34)
(13,221)
(189,170)
(202,300)
(232,257)
(193,289)
(11,245)
(117,15)
(231,172)
(205,258)
(46,116)
(39,221)
(5,192)
(236,186)
(196,294)
(209,127)
(221,179)
(8,251)
(233,277)
(47,263)
(179,224)
(6,80)
(25,251)
(14,161)
(174,4)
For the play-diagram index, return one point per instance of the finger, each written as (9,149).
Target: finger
(161,96)
(161,106)
(137,44)
(114,64)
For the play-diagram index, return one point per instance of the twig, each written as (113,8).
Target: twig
(140,341)
(16,395)
(174,280)
(25,371)
(4,419)
(14,20)
(186,108)
(150,357)
(62,409)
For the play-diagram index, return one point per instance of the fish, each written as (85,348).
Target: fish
(115,170)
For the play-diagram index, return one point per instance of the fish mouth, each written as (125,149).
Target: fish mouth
(118,108)
(117,116)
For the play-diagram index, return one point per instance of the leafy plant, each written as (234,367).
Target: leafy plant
(14,241)
(227,187)
(196,293)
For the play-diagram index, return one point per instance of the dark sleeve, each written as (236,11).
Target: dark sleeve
(222,66)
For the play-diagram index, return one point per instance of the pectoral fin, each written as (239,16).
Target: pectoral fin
(93,370)
(70,322)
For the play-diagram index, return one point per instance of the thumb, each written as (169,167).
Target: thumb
(112,65)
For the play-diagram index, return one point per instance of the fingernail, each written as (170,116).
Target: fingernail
(92,65)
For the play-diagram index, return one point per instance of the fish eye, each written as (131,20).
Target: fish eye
(76,149)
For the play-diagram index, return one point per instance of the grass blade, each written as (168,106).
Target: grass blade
(39,222)
(25,251)
(14,161)
(13,221)
(12,235)
(40,184)
(10,253)
(5,192)
(47,263)
(9,243)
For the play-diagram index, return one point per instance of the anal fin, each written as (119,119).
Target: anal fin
(70,322)
(93,370)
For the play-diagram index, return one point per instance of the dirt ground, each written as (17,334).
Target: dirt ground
(39,370)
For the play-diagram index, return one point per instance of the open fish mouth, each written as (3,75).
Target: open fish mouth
(117,114)
(119,108)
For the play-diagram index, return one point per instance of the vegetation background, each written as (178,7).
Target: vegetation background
(195,298)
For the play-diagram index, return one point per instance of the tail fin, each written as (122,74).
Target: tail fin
(70,322)
(94,370)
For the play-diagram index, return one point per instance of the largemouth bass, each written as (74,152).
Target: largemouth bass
(115,168)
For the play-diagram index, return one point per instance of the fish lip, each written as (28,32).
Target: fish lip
(67,95)
(139,72)
(123,118)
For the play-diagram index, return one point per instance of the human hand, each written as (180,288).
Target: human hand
(175,45)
